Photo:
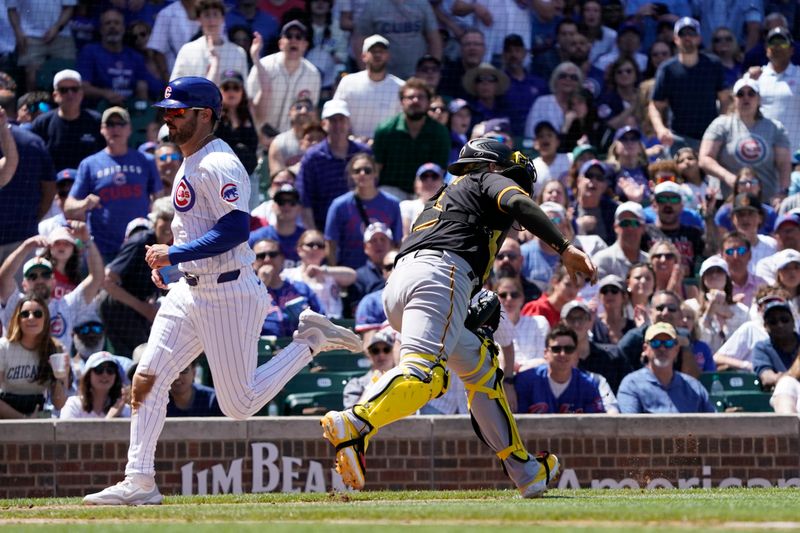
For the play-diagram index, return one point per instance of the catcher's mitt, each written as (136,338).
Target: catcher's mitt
(484,313)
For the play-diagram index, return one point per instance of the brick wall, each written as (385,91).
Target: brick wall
(55,458)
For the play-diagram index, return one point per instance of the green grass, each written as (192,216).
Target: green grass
(560,510)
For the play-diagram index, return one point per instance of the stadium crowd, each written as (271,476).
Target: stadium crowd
(667,145)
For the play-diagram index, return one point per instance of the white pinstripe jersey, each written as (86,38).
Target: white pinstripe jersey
(210,184)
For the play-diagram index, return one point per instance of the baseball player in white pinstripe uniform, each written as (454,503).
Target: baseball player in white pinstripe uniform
(218,305)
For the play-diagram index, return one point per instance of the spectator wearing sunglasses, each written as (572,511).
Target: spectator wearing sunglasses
(658,387)
(718,315)
(558,387)
(510,261)
(168,160)
(735,250)
(429,178)
(26,375)
(89,337)
(288,298)
(774,356)
(594,208)
(286,230)
(747,138)
(629,227)
(101,391)
(666,170)
(380,348)
(778,82)
(486,86)
(130,307)
(38,279)
(611,323)
(565,80)
(70,132)
(746,182)
(326,281)
(351,213)
(369,314)
(664,307)
(688,239)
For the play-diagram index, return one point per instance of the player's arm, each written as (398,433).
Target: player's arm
(525,210)
(230,231)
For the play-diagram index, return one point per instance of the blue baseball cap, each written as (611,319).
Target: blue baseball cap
(792,218)
(593,163)
(627,129)
(430,167)
(66,174)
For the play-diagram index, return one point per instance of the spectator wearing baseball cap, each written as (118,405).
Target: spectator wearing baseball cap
(416,35)
(718,314)
(429,69)
(612,322)
(735,250)
(524,87)
(774,356)
(378,242)
(628,158)
(666,170)
(70,132)
(371,94)
(288,74)
(668,226)
(747,138)
(748,216)
(746,182)
(657,387)
(54,218)
(429,178)
(691,111)
(779,81)
(787,236)
(595,209)
(379,347)
(286,231)
(100,393)
(369,314)
(486,86)
(787,277)
(629,228)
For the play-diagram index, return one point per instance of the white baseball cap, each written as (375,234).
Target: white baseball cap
(668,187)
(372,40)
(36,262)
(745,82)
(714,261)
(783,258)
(66,74)
(334,107)
(375,228)
(629,207)
(61,233)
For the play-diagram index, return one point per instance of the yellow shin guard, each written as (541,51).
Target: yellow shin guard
(491,385)
(412,387)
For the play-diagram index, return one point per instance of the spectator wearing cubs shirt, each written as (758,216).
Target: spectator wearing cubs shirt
(558,387)
(688,239)
(113,186)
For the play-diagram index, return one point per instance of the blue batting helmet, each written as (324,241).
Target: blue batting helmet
(192,91)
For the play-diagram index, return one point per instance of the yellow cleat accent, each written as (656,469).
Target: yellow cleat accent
(350,448)
(549,472)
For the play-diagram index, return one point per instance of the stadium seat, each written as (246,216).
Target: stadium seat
(341,361)
(349,323)
(731,381)
(745,401)
(295,404)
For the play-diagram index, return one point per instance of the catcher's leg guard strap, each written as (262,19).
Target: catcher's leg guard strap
(407,388)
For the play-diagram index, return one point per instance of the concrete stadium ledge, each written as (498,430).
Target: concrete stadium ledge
(45,458)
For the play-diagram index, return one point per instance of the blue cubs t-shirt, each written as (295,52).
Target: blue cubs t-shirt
(124,185)
(534,394)
(287,302)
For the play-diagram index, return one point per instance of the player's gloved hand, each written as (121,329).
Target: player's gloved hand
(576,261)
(485,312)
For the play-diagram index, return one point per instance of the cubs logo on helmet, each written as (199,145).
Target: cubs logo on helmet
(229,192)
(168,91)
(184,196)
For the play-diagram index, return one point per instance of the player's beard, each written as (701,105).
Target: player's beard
(183,133)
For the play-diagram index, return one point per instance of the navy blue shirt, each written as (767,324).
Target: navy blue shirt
(641,392)
(691,93)
(520,96)
(262,22)
(767,357)
(204,403)
(20,198)
(119,71)
(69,141)
(370,313)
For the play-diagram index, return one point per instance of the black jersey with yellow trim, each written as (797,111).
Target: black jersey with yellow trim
(468,217)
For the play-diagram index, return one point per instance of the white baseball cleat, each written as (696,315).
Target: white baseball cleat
(547,477)
(126,492)
(321,335)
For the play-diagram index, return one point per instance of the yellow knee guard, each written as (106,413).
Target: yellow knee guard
(405,393)
(494,391)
